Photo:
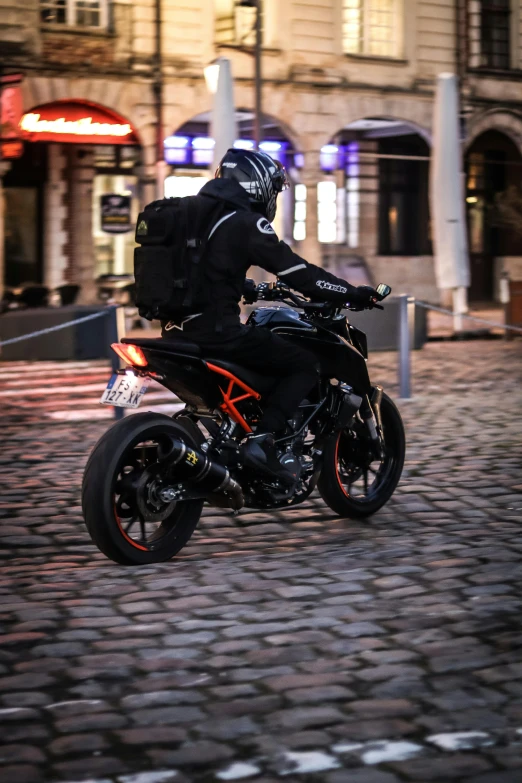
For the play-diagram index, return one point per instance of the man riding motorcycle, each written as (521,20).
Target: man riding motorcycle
(247,184)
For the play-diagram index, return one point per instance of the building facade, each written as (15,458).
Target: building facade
(115,103)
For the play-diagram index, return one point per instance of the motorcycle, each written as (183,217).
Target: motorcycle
(148,477)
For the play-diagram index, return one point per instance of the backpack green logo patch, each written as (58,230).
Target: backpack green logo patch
(143,228)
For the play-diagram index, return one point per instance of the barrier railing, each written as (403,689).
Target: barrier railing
(406,325)
(116,314)
(103,314)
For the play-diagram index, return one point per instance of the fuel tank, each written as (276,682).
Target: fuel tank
(337,358)
(274,317)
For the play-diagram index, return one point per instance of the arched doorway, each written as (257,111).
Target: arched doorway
(373,200)
(60,226)
(190,154)
(493,173)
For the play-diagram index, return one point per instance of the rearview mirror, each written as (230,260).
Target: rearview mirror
(383,290)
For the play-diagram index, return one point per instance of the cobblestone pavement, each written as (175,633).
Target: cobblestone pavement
(284,646)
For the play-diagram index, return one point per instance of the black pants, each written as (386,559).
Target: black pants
(295,368)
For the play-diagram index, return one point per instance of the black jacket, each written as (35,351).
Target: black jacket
(241,238)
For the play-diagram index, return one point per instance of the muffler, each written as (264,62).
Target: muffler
(185,463)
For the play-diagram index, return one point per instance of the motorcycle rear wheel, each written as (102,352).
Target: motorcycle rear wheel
(355,484)
(124,516)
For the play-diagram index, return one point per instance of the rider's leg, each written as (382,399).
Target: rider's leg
(296,372)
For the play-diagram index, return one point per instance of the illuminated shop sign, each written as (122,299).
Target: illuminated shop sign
(31,123)
(76,122)
(116,213)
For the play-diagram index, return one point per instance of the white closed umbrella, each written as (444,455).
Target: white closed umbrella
(447,198)
(218,76)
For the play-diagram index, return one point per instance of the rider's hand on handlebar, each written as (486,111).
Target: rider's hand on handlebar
(250,293)
(365,297)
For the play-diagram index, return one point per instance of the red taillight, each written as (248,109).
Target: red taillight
(130,354)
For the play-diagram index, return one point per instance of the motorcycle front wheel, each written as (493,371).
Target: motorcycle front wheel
(123,512)
(355,483)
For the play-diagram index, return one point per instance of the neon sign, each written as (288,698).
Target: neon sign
(76,122)
(31,123)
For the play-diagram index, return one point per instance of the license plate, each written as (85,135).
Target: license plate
(125,391)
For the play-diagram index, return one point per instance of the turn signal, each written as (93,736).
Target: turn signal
(130,354)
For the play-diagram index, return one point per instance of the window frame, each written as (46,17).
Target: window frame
(231,34)
(479,14)
(71,9)
(365,39)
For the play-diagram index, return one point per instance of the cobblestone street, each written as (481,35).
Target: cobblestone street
(277,646)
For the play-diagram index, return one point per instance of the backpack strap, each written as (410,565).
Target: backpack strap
(196,245)
(219,305)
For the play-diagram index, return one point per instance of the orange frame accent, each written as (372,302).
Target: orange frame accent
(229,405)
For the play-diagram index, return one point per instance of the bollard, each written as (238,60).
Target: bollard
(406,324)
(115,331)
(504,301)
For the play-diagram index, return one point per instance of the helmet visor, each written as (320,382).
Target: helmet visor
(280,178)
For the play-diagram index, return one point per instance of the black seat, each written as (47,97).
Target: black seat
(176,346)
(257,381)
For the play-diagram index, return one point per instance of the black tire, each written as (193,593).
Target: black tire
(102,493)
(342,483)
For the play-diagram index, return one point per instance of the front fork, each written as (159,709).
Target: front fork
(371,415)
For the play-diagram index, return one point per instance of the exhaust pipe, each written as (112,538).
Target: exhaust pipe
(189,464)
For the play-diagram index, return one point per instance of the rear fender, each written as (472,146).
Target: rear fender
(186,376)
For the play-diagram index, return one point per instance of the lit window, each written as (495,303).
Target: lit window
(234,23)
(371,27)
(328,157)
(300,213)
(180,186)
(75,13)
(327,211)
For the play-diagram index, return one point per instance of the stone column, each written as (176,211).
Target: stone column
(4,168)
(147,185)
(80,245)
(55,217)
(162,169)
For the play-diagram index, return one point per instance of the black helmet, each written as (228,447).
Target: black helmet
(261,176)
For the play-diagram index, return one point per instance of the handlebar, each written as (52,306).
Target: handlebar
(280,292)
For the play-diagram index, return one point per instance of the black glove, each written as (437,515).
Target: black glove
(250,291)
(364,296)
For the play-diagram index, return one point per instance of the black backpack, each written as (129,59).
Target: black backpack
(173,233)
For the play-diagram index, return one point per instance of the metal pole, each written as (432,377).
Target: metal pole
(404,347)
(115,330)
(158,100)
(258,120)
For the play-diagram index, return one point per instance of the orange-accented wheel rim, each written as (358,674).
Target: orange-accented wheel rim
(359,472)
(143,519)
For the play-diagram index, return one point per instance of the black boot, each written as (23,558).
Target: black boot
(260,452)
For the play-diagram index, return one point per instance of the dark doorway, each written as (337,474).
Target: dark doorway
(23,224)
(403,197)
(493,165)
